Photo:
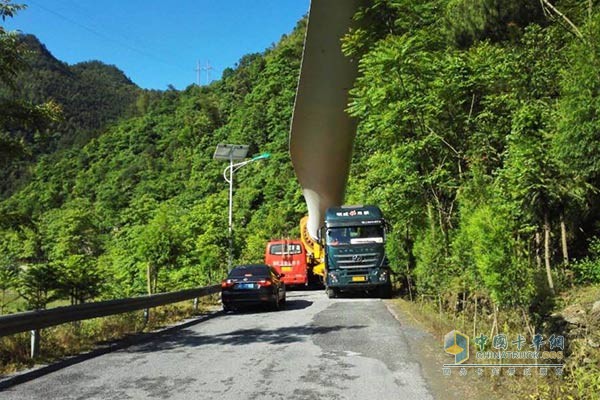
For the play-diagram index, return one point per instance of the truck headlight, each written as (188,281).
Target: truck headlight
(332,278)
(383,276)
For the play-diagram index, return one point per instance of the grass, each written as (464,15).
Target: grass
(581,372)
(10,302)
(77,337)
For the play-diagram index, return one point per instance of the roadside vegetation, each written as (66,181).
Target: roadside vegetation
(478,136)
(71,339)
(576,318)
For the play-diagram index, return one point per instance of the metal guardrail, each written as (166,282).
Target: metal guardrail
(39,319)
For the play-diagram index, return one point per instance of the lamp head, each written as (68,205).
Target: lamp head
(262,156)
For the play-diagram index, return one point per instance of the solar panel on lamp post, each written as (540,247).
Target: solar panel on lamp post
(231,153)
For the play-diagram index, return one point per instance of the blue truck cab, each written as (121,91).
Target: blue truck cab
(353,238)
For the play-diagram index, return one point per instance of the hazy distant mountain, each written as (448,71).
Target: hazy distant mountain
(91,93)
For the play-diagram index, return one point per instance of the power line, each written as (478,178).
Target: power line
(128,36)
(105,37)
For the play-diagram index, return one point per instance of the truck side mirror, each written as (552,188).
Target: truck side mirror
(320,234)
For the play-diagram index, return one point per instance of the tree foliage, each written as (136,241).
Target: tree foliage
(142,206)
(476,134)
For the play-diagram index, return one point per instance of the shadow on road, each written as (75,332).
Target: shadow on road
(303,288)
(177,337)
(358,295)
(105,348)
(290,305)
(283,335)
(297,305)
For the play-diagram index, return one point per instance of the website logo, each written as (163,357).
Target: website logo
(457,344)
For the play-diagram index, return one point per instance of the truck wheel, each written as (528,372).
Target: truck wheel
(332,293)
(385,292)
(227,307)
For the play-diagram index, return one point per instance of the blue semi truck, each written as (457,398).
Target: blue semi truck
(353,239)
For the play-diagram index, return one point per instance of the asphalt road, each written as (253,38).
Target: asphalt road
(316,348)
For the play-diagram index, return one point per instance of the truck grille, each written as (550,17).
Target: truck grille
(357,271)
(366,260)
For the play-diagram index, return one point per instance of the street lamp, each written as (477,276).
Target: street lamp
(231,153)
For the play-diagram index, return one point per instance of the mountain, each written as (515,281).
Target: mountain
(145,194)
(92,94)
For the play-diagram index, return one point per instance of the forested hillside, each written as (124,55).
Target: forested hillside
(87,96)
(479,135)
(91,93)
(143,206)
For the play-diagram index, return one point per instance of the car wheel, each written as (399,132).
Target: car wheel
(276,304)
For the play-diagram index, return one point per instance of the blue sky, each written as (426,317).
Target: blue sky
(157,43)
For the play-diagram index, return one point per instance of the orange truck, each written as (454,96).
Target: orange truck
(288,257)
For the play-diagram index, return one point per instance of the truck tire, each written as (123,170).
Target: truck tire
(332,293)
(385,291)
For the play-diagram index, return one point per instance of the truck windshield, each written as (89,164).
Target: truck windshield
(355,235)
(290,248)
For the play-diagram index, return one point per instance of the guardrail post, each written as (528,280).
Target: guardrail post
(35,343)
(146,316)
(196,304)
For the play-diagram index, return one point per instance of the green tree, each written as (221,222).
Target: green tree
(38,281)
(577,142)
(497,20)
(159,244)
(11,52)
(9,269)
(16,113)
(532,176)
(72,241)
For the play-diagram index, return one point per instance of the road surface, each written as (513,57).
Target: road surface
(317,348)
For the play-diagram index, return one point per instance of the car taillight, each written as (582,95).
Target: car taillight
(227,283)
(264,282)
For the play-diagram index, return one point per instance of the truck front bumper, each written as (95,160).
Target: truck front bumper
(358,279)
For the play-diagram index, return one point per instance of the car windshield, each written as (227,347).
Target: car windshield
(249,270)
(355,235)
(289,248)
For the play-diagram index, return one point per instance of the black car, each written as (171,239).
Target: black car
(253,284)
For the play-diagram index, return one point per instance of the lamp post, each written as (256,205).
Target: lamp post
(231,153)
